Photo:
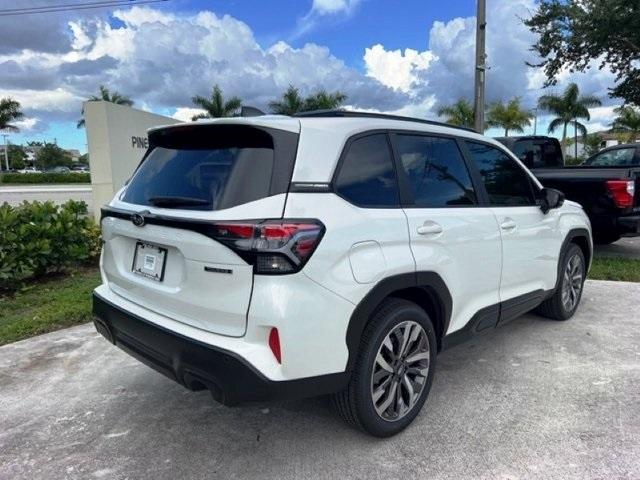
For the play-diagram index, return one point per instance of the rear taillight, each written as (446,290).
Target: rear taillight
(622,192)
(271,246)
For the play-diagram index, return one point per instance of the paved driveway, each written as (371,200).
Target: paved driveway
(628,247)
(536,399)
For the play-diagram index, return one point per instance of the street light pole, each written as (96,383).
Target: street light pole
(481,58)
(6,151)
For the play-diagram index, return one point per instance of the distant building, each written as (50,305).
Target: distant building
(609,139)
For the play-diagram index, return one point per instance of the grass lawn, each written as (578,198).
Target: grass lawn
(619,269)
(47,305)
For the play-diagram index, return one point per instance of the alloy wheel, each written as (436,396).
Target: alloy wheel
(572,282)
(400,371)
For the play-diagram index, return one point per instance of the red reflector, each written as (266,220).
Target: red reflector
(274,344)
(235,230)
(622,192)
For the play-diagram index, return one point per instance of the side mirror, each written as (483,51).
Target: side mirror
(550,198)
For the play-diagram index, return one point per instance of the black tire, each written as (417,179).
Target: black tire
(554,307)
(355,403)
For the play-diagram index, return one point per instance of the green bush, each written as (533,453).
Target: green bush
(20,178)
(39,238)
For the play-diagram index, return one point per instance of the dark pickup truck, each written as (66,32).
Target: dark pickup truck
(607,185)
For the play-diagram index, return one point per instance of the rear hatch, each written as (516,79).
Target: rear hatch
(161,236)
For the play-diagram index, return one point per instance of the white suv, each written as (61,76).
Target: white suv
(334,253)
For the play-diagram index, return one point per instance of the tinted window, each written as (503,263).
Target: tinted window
(538,153)
(620,157)
(231,171)
(506,182)
(366,176)
(436,171)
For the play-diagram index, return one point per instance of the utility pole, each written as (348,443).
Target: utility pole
(481,66)
(535,121)
(6,151)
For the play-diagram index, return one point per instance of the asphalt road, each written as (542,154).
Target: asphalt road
(16,194)
(535,399)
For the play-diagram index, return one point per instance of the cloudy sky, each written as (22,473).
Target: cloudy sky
(404,57)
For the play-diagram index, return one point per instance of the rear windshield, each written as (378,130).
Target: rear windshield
(211,169)
(538,153)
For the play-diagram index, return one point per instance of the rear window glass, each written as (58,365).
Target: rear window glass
(215,175)
(538,153)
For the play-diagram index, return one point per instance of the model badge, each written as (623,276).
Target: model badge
(137,220)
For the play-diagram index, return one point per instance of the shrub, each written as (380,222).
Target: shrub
(39,238)
(21,178)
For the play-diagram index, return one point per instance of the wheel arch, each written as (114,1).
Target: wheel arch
(582,238)
(426,289)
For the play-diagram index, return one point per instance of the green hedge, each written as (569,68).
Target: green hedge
(21,178)
(38,238)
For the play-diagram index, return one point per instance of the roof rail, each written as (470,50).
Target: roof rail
(355,114)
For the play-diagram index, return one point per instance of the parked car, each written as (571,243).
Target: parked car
(333,253)
(607,185)
(29,170)
(58,169)
(80,168)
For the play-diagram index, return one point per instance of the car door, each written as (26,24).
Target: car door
(450,232)
(530,239)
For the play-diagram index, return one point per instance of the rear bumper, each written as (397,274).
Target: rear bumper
(629,226)
(230,378)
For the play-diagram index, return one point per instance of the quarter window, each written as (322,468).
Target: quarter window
(507,184)
(367,177)
(436,171)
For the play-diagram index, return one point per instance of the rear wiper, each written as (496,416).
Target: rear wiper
(177,201)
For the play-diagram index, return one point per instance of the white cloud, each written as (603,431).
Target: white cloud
(329,7)
(185,114)
(26,124)
(394,68)
(323,10)
(44,100)
(161,60)
(446,72)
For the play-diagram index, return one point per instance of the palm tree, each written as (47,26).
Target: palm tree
(106,96)
(9,112)
(290,103)
(511,116)
(216,106)
(569,107)
(460,113)
(627,121)
(323,100)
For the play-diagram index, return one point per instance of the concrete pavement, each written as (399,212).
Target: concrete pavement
(627,247)
(535,399)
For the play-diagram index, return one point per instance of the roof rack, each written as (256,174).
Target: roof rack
(355,114)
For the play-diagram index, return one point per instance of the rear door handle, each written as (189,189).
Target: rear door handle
(430,228)
(508,224)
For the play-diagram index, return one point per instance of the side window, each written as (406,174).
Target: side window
(506,182)
(367,177)
(618,157)
(436,171)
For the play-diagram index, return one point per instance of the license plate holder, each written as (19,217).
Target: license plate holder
(149,261)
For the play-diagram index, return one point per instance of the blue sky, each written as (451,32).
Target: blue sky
(405,57)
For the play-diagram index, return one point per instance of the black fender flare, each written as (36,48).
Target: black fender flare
(573,234)
(433,286)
